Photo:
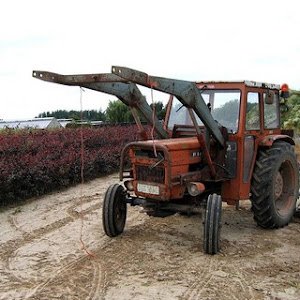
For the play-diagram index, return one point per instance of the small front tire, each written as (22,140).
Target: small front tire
(212,224)
(114,210)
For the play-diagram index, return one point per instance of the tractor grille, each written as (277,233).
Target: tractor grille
(144,173)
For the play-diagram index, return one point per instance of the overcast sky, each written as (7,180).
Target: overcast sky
(190,40)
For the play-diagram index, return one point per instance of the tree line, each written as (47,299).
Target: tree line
(116,112)
(91,115)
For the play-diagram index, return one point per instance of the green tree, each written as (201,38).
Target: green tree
(291,118)
(160,110)
(118,112)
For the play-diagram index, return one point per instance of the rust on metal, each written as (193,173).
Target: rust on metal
(76,79)
(203,144)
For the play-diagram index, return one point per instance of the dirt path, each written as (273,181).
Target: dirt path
(41,255)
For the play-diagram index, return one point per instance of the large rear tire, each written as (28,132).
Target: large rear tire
(114,210)
(212,224)
(274,186)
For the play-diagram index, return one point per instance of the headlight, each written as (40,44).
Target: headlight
(195,188)
(129,185)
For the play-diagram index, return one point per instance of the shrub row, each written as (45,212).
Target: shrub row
(35,162)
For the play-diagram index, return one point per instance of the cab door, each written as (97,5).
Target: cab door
(252,130)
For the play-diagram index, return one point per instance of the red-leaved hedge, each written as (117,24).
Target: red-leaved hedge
(35,162)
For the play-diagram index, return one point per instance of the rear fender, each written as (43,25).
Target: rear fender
(268,141)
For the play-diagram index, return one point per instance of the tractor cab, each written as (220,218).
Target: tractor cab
(247,105)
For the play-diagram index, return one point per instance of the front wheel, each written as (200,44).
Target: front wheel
(114,210)
(212,224)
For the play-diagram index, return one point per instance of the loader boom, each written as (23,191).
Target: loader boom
(111,84)
(186,91)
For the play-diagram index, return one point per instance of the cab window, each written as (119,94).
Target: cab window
(225,107)
(271,113)
(252,115)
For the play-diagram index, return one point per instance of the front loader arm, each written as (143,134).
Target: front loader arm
(111,84)
(186,92)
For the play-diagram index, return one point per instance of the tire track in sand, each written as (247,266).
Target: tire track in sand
(196,290)
(9,250)
(87,278)
(6,249)
(83,278)
(246,291)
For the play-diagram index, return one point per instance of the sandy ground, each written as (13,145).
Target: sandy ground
(42,256)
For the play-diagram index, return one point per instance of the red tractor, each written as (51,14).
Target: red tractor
(220,141)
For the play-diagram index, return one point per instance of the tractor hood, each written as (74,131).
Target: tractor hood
(171,144)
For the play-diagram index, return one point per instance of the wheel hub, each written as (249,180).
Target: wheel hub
(278,185)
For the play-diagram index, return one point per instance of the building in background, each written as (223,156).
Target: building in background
(65,122)
(37,123)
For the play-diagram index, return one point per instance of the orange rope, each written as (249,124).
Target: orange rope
(91,255)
